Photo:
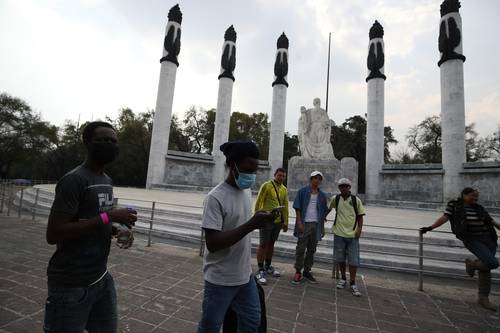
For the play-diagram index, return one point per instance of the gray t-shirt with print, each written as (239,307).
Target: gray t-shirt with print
(81,194)
(226,208)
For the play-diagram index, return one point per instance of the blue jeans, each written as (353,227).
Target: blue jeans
(484,248)
(71,310)
(243,300)
(346,248)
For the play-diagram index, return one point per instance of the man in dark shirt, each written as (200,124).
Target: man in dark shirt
(81,292)
(472,224)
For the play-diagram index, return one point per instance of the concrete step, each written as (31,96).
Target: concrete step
(391,249)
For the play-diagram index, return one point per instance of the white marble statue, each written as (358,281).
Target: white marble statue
(314,132)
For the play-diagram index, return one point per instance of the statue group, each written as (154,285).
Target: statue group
(316,153)
(315,129)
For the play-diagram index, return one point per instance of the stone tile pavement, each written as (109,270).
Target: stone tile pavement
(160,289)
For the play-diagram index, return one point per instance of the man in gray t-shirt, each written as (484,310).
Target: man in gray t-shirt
(227,221)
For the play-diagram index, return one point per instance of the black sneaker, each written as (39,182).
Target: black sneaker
(309,277)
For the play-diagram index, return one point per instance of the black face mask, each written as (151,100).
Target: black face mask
(103,152)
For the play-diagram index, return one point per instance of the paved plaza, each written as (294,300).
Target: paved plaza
(160,290)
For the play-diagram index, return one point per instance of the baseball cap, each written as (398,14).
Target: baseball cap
(316,173)
(344,181)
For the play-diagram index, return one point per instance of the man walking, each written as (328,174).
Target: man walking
(347,227)
(227,221)
(81,292)
(272,194)
(311,208)
(472,224)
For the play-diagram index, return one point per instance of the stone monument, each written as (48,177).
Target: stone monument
(278,113)
(223,111)
(165,98)
(451,67)
(375,111)
(317,153)
(314,132)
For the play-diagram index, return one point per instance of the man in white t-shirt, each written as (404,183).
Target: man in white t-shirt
(227,221)
(311,208)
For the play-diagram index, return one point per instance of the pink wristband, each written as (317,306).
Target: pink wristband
(104,218)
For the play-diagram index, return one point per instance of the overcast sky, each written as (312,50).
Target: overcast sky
(93,57)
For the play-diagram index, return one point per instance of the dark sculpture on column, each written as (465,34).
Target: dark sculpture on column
(228,60)
(375,60)
(172,42)
(450,36)
(281,63)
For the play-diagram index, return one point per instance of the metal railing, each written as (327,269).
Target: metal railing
(148,211)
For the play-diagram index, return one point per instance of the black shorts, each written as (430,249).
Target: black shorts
(270,235)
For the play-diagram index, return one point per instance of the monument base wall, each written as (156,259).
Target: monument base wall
(412,182)
(196,170)
(423,183)
(300,168)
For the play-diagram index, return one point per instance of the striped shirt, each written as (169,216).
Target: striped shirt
(475,224)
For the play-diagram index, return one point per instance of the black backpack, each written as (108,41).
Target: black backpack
(457,220)
(231,319)
(354,201)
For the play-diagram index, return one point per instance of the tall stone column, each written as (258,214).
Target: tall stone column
(451,66)
(278,113)
(375,112)
(223,112)
(165,98)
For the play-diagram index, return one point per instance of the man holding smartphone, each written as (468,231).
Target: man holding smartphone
(81,292)
(228,221)
(272,195)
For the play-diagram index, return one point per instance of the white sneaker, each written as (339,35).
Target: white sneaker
(273,272)
(261,277)
(355,291)
(341,284)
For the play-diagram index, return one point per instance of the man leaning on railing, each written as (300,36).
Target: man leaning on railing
(472,224)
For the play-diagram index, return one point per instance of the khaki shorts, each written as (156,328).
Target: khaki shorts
(270,235)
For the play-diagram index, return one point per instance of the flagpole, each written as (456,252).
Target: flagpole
(328,70)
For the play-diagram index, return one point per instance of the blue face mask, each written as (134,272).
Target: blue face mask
(245,180)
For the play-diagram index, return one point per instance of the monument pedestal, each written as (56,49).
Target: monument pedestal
(300,168)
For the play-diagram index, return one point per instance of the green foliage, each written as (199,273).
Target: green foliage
(349,140)
(196,134)
(134,135)
(25,139)
(251,127)
(291,148)
(424,141)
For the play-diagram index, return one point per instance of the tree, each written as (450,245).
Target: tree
(25,138)
(476,148)
(493,144)
(134,136)
(251,127)
(199,128)
(290,148)
(349,140)
(177,140)
(425,140)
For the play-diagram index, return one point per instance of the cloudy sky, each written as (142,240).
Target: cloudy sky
(93,57)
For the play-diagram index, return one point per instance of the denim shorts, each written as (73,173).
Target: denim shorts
(346,248)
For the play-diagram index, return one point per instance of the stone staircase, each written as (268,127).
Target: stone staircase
(381,247)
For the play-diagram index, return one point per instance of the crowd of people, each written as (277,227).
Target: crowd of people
(84,219)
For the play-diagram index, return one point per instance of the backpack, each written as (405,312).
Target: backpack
(354,201)
(457,220)
(231,319)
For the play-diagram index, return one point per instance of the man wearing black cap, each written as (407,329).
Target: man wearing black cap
(227,222)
